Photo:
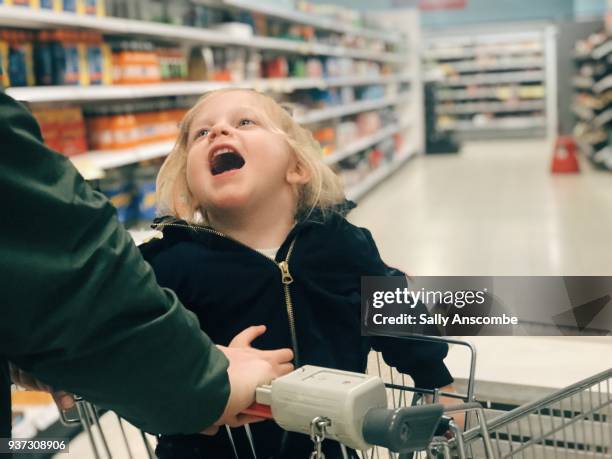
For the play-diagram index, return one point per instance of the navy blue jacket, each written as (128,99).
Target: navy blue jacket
(230,287)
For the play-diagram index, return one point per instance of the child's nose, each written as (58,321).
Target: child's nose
(217,130)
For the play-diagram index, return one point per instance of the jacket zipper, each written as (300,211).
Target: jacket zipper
(286,280)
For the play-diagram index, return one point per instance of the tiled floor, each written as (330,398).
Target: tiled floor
(495,209)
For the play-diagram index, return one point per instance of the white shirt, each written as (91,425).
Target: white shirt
(270,253)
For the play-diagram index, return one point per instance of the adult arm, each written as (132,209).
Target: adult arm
(81,310)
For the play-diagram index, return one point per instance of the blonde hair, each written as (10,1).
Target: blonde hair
(324,190)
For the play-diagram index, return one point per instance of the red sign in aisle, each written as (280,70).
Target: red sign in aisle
(430,5)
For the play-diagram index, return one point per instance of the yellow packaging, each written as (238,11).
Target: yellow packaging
(107,63)
(91,7)
(29,62)
(35,4)
(4,57)
(83,64)
(100,8)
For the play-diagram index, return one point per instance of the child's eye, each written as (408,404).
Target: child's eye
(245,122)
(201,133)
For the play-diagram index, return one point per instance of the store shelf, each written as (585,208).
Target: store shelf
(462,53)
(501,124)
(315,116)
(583,113)
(312,20)
(603,84)
(31,18)
(37,94)
(91,165)
(502,64)
(358,191)
(491,107)
(582,82)
(602,50)
(501,93)
(118,92)
(496,78)
(362,144)
(603,118)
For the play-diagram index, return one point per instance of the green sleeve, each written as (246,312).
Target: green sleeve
(81,309)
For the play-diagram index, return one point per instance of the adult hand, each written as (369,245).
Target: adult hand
(63,400)
(248,369)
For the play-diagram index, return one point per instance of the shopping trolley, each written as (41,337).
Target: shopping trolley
(574,422)
(571,423)
(88,416)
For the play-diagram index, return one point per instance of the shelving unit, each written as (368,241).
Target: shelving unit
(35,19)
(129,92)
(593,98)
(494,84)
(322,23)
(358,191)
(95,164)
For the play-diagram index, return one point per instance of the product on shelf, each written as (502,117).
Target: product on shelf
(173,64)
(16,51)
(132,191)
(56,57)
(135,62)
(63,129)
(367,123)
(88,7)
(346,132)
(143,202)
(326,136)
(117,187)
(124,126)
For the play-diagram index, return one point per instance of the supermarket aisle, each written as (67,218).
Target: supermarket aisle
(494,209)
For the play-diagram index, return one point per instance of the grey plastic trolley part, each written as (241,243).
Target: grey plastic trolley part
(343,397)
(404,429)
(355,405)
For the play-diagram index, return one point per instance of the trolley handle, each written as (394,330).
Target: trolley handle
(402,430)
(444,339)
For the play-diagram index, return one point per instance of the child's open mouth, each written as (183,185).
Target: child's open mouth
(225,160)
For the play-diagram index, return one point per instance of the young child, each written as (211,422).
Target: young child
(256,234)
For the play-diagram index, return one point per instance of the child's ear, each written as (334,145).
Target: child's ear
(298,174)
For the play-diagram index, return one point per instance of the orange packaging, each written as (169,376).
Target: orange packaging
(73,132)
(100,132)
(49,123)
(327,138)
(123,126)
